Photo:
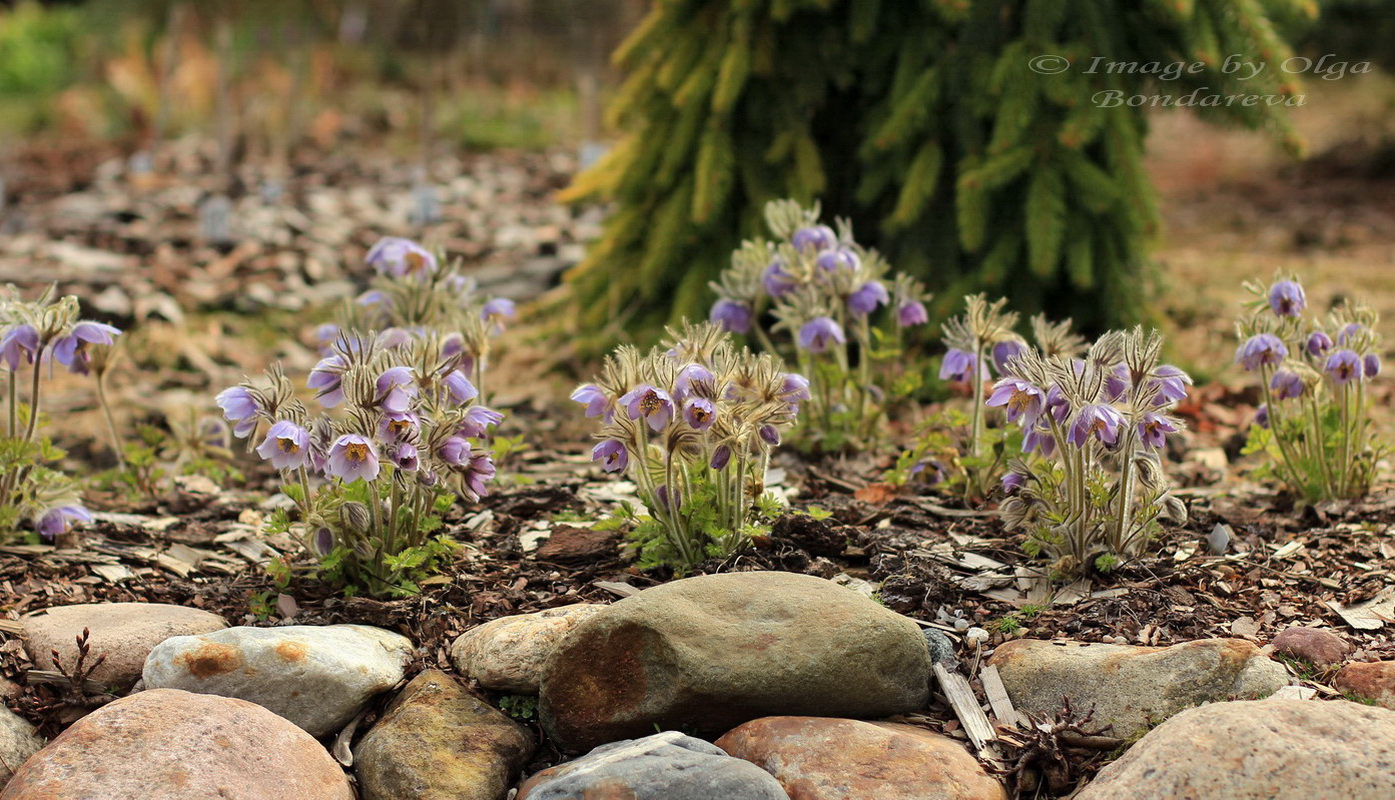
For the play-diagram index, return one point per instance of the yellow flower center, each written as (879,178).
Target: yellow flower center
(287,445)
(356,451)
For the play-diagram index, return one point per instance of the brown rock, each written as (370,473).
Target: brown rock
(817,758)
(1368,680)
(507,654)
(439,742)
(166,744)
(123,632)
(569,544)
(1259,750)
(1314,645)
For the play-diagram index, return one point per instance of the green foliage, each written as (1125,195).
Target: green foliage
(922,122)
(521,707)
(653,543)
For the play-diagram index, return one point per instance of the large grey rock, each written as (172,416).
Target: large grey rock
(1134,688)
(437,741)
(665,766)
(18,741)
(508,653)
(172,745)
(1259,750)
(707,653)
(123,632)
(316,677)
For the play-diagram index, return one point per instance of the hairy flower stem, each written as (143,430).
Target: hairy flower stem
(14,406)
(1319,447)
(34,399)
(1126,491)
(111,423)
(1345,487)
(1274,425)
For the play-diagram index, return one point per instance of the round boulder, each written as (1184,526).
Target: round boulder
(508,654)
(705,654)
(172,745)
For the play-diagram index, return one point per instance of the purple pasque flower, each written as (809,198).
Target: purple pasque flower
(1286,298)
(1371,365)
(1262,416)
(835,259)
(612,455)
(1319,343)
(1286,385)
(353,457)
(405,457)
(689,376)
(654,405)
(398,257)
(732,316)
(816,334)
(868,298)
(1343,367)
(20,345)
(396,387)
(1101,421)
(595,399)
(454,451)
(478,474)
(814,239)
(240,408)
(1040,440)
(1349,332)
(393,338)
(459,387)
(59,520)
(769,434)
(794,389)
(324,541)
(72,350)
(478,420)
(1056,404)
(327,379)
(1013,482)
(777,280)
(498,308)
(1260,350)
(1004,352)
(1154,428)
(699,413)
(286,446)
(933,470)
(912,313)
(372,298)
(326,333)
(720,458)
(1023,400)
(958,366)
(1171,383)
(1117,382)
(397,425)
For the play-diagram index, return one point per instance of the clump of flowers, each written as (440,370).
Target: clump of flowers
(33,336)
(370,474)
(1315,422)
(693,424)
(1096,494)
(413,291)
(843,317)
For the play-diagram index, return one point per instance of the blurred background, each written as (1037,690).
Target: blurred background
(171,160)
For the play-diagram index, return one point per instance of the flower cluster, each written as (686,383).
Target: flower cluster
(1314,422)
(694,424)
(400,431)
(413,292)
(1097,492)
(823,291)
(33,337)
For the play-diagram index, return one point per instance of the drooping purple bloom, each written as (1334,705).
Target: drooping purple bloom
(240,408)
(398,257)
(1004,352)
(912,313)
(404,456)
(1262,416)
(776,280)
(72,350)
(326,334)
(933,470)
(1343,367)
(817,333)
(699,413)
(460,389)
(324,541)
(59,520)
(1371,365)
(1040,440)
(612,455)
(868,298)
(1286,385)
(393,338)
(769,434)
(1057,405)
(353,457)
(1286,298)
(834,260)
(1117,382)
(397,425)
(1319,343)
(1023,400)
(396,387)
(958,366)
(478,420)
(732,316)
(1261,349)
(1171,383)
(1013,482)
(478,474)
(690,375)
(327,379)
(720,458)
(1098,420)
(814,238)
(454,451)
(20,345)
(654,405)
(1349,332)
(286,446)
(1154,428)
(452,345)
(498,308)
(373,298)
(596,402)
(794,390)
